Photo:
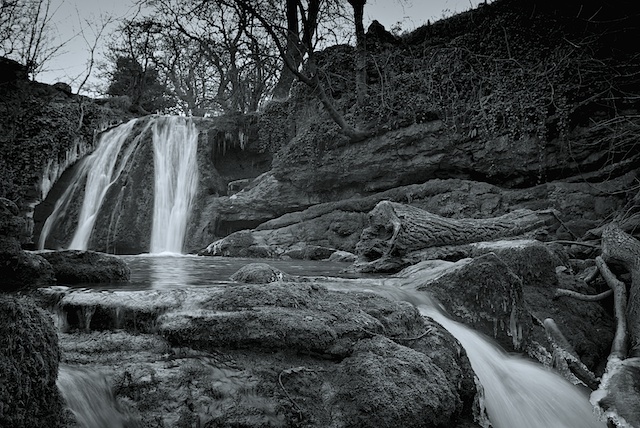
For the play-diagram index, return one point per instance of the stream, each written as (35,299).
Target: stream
(518,393)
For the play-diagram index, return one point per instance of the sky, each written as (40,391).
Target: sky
(70,65)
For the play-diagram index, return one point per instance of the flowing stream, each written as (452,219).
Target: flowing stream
(518,393)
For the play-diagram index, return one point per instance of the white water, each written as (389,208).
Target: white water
(99,171)
(519,393)
(102,170)
(175,144)
(88,395)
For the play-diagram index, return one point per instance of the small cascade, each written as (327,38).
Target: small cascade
(89,397)
(519,393)
(175,144)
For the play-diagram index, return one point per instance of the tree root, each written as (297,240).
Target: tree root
(619,346)
(562,292)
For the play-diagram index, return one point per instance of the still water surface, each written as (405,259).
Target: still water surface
(167,271)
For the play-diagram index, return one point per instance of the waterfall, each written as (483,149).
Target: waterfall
(97,171)
(519,393)
(113,188)
(102,169)
(175,143)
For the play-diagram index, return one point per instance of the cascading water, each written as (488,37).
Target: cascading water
(97,171)
(88,395)
(175,144)
(519,393)
(101,173)
(115,184)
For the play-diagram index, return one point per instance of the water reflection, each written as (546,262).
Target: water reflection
(170,271)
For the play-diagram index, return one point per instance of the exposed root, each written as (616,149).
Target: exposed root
(562,292)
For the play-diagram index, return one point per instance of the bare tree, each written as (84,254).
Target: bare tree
(361,50)
(308,13)
(27,33)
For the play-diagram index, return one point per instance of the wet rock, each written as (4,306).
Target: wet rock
(74,267)
(21,269)
(279,355)
(29,358)
(342,256)
(260,273)
(481,292)
(404,387)
(533,261)
(309,252)
(305,318)
(239,244)
(618,394)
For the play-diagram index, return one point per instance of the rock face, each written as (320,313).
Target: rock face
(74,266)
(339,225)
(29,358)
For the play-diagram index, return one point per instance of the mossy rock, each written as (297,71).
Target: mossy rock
(29,358)
(23,270)
(74,267)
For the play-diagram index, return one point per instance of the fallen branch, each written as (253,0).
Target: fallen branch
(584,244)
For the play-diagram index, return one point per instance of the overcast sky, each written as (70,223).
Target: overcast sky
(409,13)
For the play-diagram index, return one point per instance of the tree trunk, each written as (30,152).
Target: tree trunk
(361,51)
(396,230)
(621,248)
(294,53)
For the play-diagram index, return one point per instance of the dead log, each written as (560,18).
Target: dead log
(561,292)
(396,230)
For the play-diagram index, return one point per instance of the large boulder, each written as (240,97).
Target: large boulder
(74,267)
(29,358)
(307,318)
(403,385)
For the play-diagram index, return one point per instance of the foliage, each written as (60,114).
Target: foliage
(39,125)
(29,358)
(508,70)
(141,85)
(211,56)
